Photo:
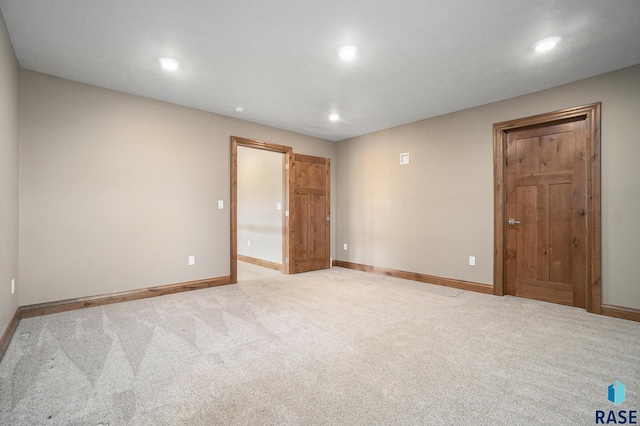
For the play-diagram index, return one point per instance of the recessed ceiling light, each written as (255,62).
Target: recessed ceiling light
(239,109)
(546,44)
(334,117)
(347,53)
(169,64)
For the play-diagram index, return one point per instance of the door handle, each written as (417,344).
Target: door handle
(513,222)
(328,219)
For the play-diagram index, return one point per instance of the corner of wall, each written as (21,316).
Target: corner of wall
(9,186)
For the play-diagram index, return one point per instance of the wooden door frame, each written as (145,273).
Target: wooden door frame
(592,116)
(266,146)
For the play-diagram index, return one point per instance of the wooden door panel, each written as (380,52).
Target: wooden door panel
(546,154)
(551,292)
(566,148)
(542,232)
(545,255)
(310,209)
(556,154)
(312,177)
(317,246)
(300,216)
(550,179)
(548,159)
(528,152)
(560,238)
(527,205)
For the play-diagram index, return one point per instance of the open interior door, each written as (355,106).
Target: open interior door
(309,213)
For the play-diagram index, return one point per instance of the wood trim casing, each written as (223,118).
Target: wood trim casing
(9,332)
(620,312)
(500,130)
(251,143)
(125,296)
(286,228)
(328,212)
(40,309)
(594,286)
(260,262)
(414,276)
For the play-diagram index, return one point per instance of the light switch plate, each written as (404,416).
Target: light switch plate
(192,260)
(404,158)
(472,261)
(344,247)
(221,204)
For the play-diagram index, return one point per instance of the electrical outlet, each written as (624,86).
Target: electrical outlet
(248,243)
(472,261)
(13,285)
(344,247)
(192,260)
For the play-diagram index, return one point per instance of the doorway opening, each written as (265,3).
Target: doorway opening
(547,207)
(247,233)
(306,209)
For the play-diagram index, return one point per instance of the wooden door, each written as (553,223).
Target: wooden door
(309,216)
(546,192)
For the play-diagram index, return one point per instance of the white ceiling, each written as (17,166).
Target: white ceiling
(278,58)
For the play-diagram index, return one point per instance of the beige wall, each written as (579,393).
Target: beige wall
(431,215)
(118,190)
(259,192)
(9,75)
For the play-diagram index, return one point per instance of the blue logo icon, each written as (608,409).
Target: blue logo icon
(616,393)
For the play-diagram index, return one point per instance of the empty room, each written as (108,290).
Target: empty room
(319,213)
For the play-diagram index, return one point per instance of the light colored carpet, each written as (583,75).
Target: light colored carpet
(327,347)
